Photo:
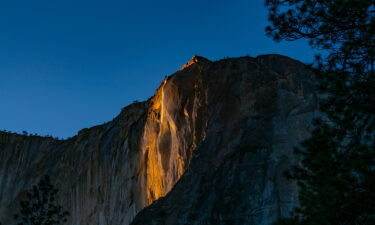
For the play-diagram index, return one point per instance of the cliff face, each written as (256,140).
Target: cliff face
(223,131)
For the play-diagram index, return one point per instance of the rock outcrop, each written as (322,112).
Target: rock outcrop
(210,147)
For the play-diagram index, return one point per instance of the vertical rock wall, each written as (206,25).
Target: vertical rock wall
(257,111)
(226,128)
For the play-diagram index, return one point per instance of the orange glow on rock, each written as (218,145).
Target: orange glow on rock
(158,177)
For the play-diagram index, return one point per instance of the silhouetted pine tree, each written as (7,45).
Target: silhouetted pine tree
(337,175)
(39,208)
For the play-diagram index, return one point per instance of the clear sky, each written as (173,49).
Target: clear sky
(66,65)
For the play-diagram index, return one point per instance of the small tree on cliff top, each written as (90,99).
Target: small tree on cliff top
(39,207)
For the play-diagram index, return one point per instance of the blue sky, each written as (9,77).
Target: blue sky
(67,65)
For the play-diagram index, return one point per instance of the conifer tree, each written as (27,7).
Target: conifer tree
(39,207)
(337,173)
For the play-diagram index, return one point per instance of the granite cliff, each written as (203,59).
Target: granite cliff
(210,147)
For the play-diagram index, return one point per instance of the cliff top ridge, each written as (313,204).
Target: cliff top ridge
(195,59)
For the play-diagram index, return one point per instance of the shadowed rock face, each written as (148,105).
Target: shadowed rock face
(214,140)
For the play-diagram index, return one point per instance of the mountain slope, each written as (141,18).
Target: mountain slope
(226,128)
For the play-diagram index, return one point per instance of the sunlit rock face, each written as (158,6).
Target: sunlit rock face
(215,140)
(256,111)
